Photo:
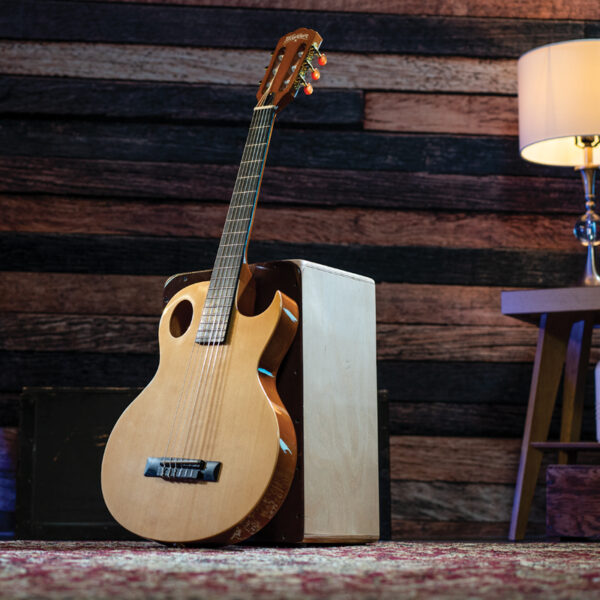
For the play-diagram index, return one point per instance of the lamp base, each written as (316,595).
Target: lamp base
(590,277)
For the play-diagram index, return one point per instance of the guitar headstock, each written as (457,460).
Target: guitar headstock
(291,68)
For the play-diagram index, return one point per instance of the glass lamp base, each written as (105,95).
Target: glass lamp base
(590,277)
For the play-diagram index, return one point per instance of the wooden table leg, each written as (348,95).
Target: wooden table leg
(547,370)
(576,364)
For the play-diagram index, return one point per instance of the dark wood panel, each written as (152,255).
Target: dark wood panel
(459,155)
(338,225)
(165,256)
(74,369)
(216,66)
(323,187)
(441,113)
(462,459)
(88,333)
(441,501)
(453,530)
(216,27)
(168,101)
(533,9)
(573,501)
(464,343)
(138,334)
(81,293)
(472,420)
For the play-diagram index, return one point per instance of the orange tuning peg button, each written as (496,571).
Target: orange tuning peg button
(316,75)
(322,60)
(308,89)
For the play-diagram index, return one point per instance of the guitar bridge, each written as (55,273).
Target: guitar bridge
(182,469)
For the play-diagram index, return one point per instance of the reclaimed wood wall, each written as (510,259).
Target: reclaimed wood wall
(121,127)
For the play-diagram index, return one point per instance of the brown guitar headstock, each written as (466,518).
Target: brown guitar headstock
(291,68)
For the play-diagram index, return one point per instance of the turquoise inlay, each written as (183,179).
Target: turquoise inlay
(290,315)
(284,447)
(261,370)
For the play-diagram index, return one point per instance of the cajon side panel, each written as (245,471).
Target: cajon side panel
(341,480)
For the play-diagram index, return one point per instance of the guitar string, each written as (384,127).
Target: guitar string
(227,262)
(245,213)
(178,425)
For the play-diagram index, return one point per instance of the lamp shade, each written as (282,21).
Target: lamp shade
(559,98)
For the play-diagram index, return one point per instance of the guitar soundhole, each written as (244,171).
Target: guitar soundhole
(181,318)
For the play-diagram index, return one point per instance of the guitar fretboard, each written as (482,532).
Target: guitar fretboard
(234,240)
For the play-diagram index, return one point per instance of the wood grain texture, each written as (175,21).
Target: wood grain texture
(441,113)
(235,401)
(81,293)
(454,530)
(331,226)
(468,502)
(526,9)
(452,154)
(137,334)
(216,27)
(167,101)
(239,67)
(323,187)
(573,500)
(471,420)
(459,459)
(79,253)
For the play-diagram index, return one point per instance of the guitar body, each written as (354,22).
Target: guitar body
(210,403)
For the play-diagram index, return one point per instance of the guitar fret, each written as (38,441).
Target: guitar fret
(224,283)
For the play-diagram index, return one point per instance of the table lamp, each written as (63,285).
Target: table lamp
(559,122)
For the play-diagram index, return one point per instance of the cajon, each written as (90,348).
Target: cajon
(328,384)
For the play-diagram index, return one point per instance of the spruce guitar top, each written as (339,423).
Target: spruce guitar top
(207,451)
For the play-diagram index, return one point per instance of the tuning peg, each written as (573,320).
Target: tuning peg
(308,89)
(322,60)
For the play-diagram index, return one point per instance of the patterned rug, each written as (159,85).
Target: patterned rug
(398,570)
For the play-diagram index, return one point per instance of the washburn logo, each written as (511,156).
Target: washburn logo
(295,36)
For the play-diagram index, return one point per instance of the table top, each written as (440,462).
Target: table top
(528,305)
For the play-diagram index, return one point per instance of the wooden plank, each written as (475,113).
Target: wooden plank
(441,501)
(332,226)
(138,334)
(470,420)
(454,530)
(82,293)
(322,187)
(75,333)
(458,459)
(441,113)
(436,304)
(105,254)
(74,369)
(491,397)
(464,343)
(168,101)
(573,501)
(240,67)
(452,154)
(240,28)
(514,9)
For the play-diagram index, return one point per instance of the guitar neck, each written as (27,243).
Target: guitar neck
(234,240)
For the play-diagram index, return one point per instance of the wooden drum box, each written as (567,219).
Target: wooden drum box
(328,384)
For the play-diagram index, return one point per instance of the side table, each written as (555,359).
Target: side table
(566,318)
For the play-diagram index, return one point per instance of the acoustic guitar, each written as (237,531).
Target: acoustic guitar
(207,451)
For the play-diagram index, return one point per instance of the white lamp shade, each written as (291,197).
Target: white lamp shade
(559,98)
